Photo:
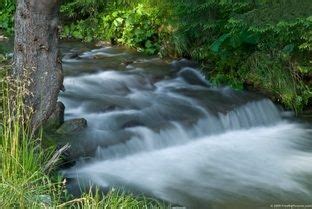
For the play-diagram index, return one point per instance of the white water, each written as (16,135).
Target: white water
(259,164)
(219,149)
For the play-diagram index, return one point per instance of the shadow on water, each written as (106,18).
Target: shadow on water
(160,128)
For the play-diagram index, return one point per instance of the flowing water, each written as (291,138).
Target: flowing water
(159,128)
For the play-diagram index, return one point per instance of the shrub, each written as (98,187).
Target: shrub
(136,28)
(6,15)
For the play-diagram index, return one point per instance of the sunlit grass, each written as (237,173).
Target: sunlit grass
(24,182)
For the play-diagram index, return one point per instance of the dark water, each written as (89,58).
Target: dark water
(159,128)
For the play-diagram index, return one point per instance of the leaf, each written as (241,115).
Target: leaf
(288,49)
(304,69)
(215,46)
(249,38)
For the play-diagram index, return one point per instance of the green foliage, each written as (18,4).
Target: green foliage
(136,28)
(23,181)
(263,43)
(81,18)
(226,35)
(81,30)
(277,76)
(6,15)
(122,22)
(113,200)
(81,9)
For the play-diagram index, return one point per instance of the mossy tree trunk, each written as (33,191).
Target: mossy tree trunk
(36,55)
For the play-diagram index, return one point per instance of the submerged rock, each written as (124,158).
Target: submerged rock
(182,63)
(193,77)
(131,124)
(57,117)
(127,62)
(71,55)
(73,126)
(103,44)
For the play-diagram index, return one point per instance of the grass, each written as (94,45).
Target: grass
(24,182)
(113,200)
(27,176)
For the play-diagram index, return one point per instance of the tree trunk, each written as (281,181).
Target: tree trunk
(36,55)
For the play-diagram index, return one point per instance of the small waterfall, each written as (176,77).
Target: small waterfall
(144,139)
(257,165)
(170,134)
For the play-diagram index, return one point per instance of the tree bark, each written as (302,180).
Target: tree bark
(36,55)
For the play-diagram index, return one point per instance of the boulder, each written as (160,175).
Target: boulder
(193,77)
(182,63)
(103,44)
(127,62)
(71,55)
(73,126)
(131,124)
(57,117)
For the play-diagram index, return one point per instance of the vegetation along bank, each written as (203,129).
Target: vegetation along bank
(258,44)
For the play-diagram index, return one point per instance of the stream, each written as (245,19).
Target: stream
(159,128)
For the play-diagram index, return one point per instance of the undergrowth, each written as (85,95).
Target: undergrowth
(262,44)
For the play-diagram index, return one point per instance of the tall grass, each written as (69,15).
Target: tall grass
(26,180)
(112,200)
(23,183)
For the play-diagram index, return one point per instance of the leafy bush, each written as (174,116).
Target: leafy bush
(6,15)
(263,43)
(136,28)
(81,30)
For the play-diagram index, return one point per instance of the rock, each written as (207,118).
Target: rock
(127,62)
(73,126)
(193,77)
(182,63)
(131,124)
(71,55)
(57,117)
(103,44)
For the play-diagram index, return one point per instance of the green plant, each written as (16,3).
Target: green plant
(24,182)
(80,30)
(266,44)
(6,15)
(115,199)
(137,28)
